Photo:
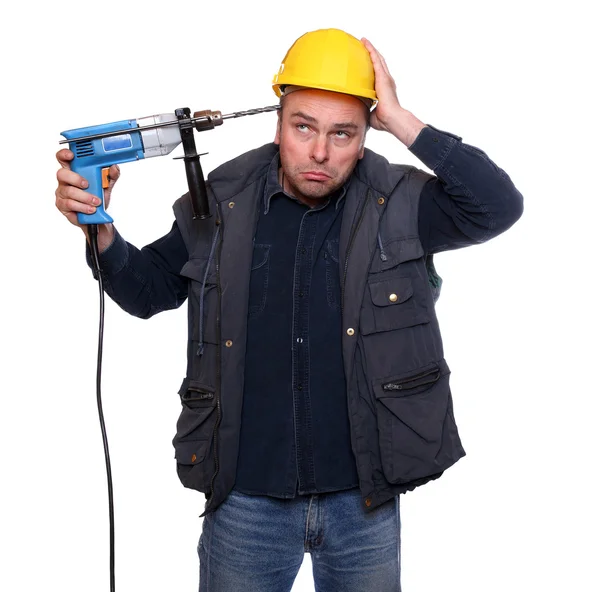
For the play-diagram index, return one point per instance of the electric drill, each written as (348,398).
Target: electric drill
(98,147)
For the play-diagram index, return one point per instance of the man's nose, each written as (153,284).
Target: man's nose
(320,151)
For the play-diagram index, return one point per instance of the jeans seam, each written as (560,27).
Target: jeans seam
(307,522)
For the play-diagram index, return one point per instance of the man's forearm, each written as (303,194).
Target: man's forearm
(144,282)
(405,126)
(469,201)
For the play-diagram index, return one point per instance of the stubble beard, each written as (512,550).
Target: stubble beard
(301,187)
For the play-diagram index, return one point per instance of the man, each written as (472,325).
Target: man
(316,388)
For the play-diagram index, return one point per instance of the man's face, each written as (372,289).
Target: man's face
(321,137)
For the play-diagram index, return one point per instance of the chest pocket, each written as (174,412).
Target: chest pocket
(396,294)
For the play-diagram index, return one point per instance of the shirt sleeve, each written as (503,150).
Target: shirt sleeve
(145,281)
(469,200)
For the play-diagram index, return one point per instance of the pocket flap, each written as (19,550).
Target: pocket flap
(391,291)
(191,452)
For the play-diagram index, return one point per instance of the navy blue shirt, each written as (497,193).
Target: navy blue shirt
(295,434)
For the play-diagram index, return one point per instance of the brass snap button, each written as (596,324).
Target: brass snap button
(228,343)
(393,297)
(381,201)
(193,458)
(350,331)
(231,204)
(368,502)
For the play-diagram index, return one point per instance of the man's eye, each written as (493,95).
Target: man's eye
(341,134)
(302,127)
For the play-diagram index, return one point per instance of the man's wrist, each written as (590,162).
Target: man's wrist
(405,126)
(106,236)
(114,256)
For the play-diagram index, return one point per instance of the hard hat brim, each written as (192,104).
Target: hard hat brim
(295,81)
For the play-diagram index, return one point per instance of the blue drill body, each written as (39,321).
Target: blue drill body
(91,156)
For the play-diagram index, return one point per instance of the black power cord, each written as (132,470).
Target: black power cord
(93,234)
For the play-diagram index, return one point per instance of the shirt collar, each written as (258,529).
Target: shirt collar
(273,187)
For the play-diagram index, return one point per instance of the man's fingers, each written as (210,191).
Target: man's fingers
(64,157)
(384,81)
(71,197)
(69,192)
(384,63)
(113,175)
(375,56)
(66,176)
(67,206)
(378,60)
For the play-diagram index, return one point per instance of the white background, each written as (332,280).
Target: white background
(519,314)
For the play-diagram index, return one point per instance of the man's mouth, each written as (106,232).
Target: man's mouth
(315,176)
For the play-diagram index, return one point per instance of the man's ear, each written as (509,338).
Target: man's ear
(278,130)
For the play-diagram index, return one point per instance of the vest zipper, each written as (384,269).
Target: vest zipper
(382,254)
(200,350)
(218,369)
(350,243)
(193,394)
(205,396)
(411,382)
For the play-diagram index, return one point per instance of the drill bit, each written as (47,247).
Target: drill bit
(250,112)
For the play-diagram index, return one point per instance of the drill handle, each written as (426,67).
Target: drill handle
(197,187)
(93,175)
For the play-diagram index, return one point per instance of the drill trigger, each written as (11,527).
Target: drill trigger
(105,178)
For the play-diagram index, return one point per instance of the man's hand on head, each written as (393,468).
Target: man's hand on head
(389,115)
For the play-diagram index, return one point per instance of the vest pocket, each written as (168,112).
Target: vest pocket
(412,409)
(391,304)
(194,436)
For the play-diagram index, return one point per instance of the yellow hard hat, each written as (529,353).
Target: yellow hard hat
(328,59)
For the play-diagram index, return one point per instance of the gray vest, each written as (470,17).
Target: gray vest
(399,401)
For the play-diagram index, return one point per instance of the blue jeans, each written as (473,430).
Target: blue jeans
(257,544)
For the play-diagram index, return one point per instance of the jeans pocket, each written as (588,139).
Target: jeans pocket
(411,416)
(259,280)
